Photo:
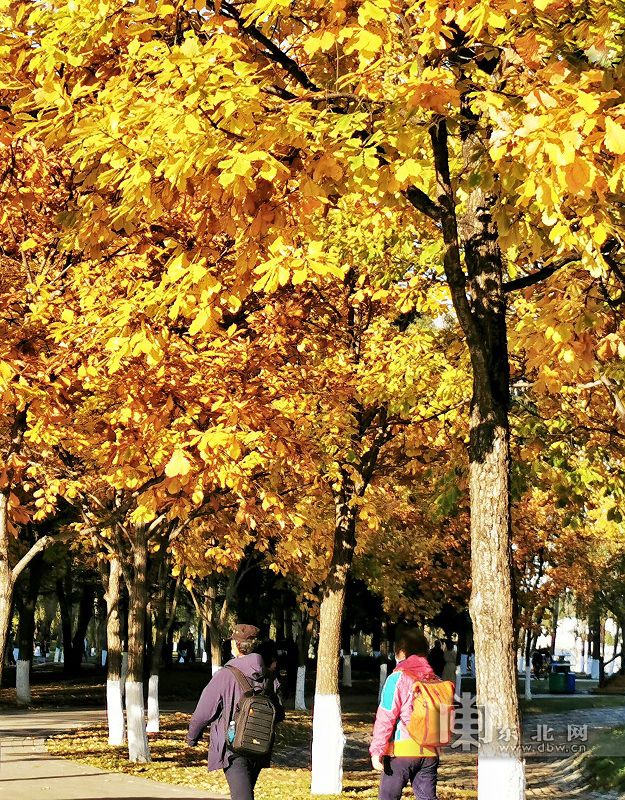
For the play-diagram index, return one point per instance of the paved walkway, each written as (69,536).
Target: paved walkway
(28,771)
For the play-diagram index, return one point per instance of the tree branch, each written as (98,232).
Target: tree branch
(38,547)
(456,277)
(423,203)
(539,275)
(273,52)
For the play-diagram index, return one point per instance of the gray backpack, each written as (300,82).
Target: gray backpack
(254,720)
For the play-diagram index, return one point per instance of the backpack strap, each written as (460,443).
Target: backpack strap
(243,682)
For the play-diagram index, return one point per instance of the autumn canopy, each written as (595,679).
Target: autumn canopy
(282,277)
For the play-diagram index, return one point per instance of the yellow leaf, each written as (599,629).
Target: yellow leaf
(496,20)
(614,139)
(178,464)
(299,276)
(192,124)
(588,102)
(284,273)
(133,47)
(200,321)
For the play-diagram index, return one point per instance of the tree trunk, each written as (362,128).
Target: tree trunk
(328,739)
(63,592)
(304,635)
(595,628)
(6,580)
(114,703)
(288,623)
(138,748)
(528,665)
(74,659)
(347,654)
(161,627)
(100,615)
(479,302)
(26,631)
(554,627)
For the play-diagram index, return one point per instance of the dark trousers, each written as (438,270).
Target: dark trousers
(420,773)
(242,774)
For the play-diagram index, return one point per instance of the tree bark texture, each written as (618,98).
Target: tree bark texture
(85,612)
(161,626)
(328,738)
(114,703)
(554,626)
(479,302)
(6,579)
(26,630)
(138,749)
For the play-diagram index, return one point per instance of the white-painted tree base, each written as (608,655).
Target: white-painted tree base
(204,657)
(115,713)
(22,682)
(327,745)
(347,670)
(594,669)
(383,674)
(153,709)
(500,778)
(528,682)
(215,668)
(138,748)
(300,689)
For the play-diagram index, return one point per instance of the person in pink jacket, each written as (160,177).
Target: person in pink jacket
(393,752)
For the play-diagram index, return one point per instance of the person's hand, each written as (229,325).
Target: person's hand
(376,763)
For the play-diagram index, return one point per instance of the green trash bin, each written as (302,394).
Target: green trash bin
(557,682)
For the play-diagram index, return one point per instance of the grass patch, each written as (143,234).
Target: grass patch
(606,769)
(544,705)
(173,762)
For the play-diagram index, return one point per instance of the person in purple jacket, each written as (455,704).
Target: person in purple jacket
(216,708)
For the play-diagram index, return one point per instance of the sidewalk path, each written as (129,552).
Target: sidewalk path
(28,771)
